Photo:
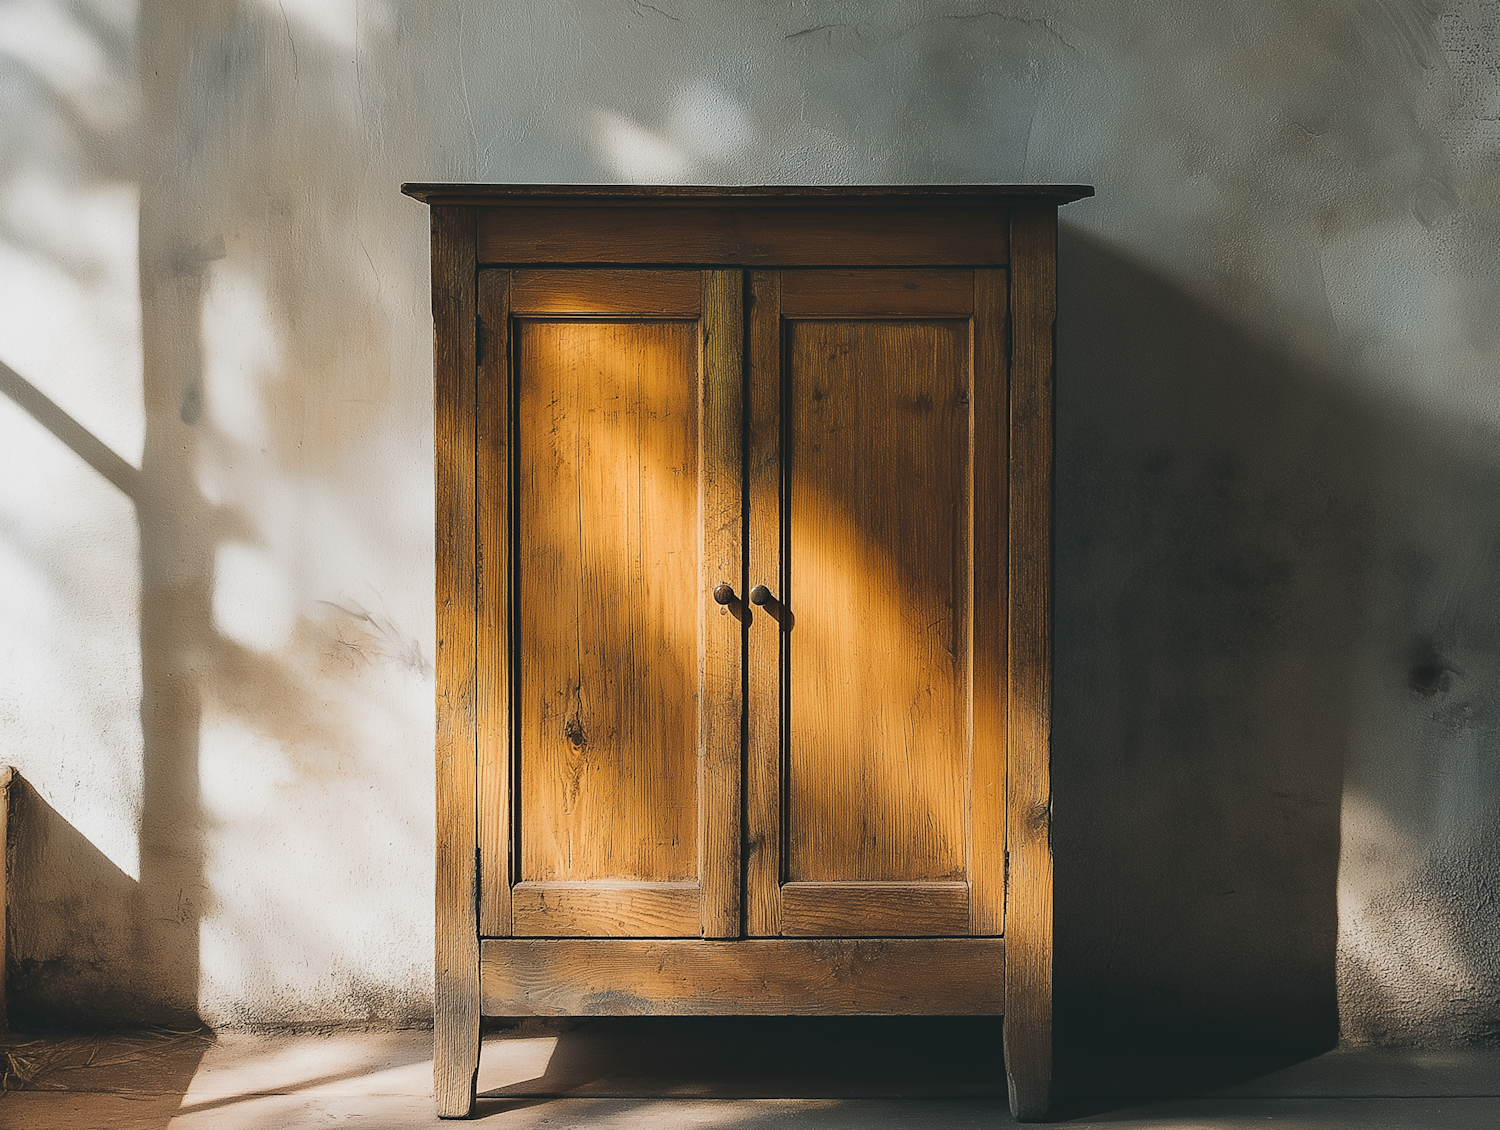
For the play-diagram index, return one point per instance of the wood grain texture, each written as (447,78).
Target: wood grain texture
(456,989)
(788,235)
(759,977)
(582,291)
(606,910)
(609,593)
(877,496)
(492,503)
(894,293)
(874,910)
(990,494)
(1028,921)
(764,652)
(721,346)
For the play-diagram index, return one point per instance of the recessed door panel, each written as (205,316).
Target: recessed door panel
(607,516)
(877,415)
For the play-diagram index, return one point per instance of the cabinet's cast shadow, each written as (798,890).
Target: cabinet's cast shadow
(1213,530)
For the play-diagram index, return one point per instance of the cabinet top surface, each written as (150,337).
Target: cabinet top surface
(760,195)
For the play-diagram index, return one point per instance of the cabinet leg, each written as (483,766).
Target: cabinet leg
(1028,1069)
(455,1060)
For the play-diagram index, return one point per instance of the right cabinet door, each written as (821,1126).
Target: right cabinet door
(875,677)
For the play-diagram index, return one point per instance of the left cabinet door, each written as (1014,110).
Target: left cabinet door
(608,471)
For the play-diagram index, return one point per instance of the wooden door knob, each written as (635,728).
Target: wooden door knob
(724,594)
(760,596)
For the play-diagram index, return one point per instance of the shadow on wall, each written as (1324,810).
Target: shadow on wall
(1277,697)
(1213,532)
(69,908)
(91,944)
(274,428)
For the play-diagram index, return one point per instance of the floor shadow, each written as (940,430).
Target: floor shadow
(768,1057)
(1213,533)
(139,1075)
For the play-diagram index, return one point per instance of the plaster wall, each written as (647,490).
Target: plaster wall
(1278,563)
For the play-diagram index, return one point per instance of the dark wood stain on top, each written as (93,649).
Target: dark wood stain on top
(437,192)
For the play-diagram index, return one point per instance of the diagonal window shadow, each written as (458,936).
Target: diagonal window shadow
(78,439)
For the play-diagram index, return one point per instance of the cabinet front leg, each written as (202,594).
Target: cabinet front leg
(455,1048)
(1028,1070)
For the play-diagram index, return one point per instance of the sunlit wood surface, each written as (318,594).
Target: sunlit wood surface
(492,604)
(879,577)
(608,600)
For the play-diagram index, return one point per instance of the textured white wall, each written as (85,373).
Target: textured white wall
(1279,661)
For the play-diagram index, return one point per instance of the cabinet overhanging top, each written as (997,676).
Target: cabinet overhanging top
(927,195)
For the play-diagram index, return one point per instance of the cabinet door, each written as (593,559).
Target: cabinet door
(876,690)
(609,509)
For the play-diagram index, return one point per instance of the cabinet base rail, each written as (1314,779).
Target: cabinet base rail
(743,977)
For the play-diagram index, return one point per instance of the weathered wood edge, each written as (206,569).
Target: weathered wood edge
(764,651)
(456,987)
(437,192)
(743,977)
(721,347)
(6,774)
(1028,919)
(989,481)
(492,526)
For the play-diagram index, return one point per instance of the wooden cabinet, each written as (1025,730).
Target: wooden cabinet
(743,582)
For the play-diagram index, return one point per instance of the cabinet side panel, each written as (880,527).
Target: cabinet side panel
(722,345)
(492,501)
(766,637)
(456,991)
(1028,919)
(608,599)
(991,501)
(877,501)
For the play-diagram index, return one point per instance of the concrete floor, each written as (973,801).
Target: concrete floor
(639,1073)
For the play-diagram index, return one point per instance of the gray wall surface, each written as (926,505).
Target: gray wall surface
(1278,503)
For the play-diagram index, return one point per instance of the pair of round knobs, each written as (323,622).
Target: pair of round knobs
(760,596)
